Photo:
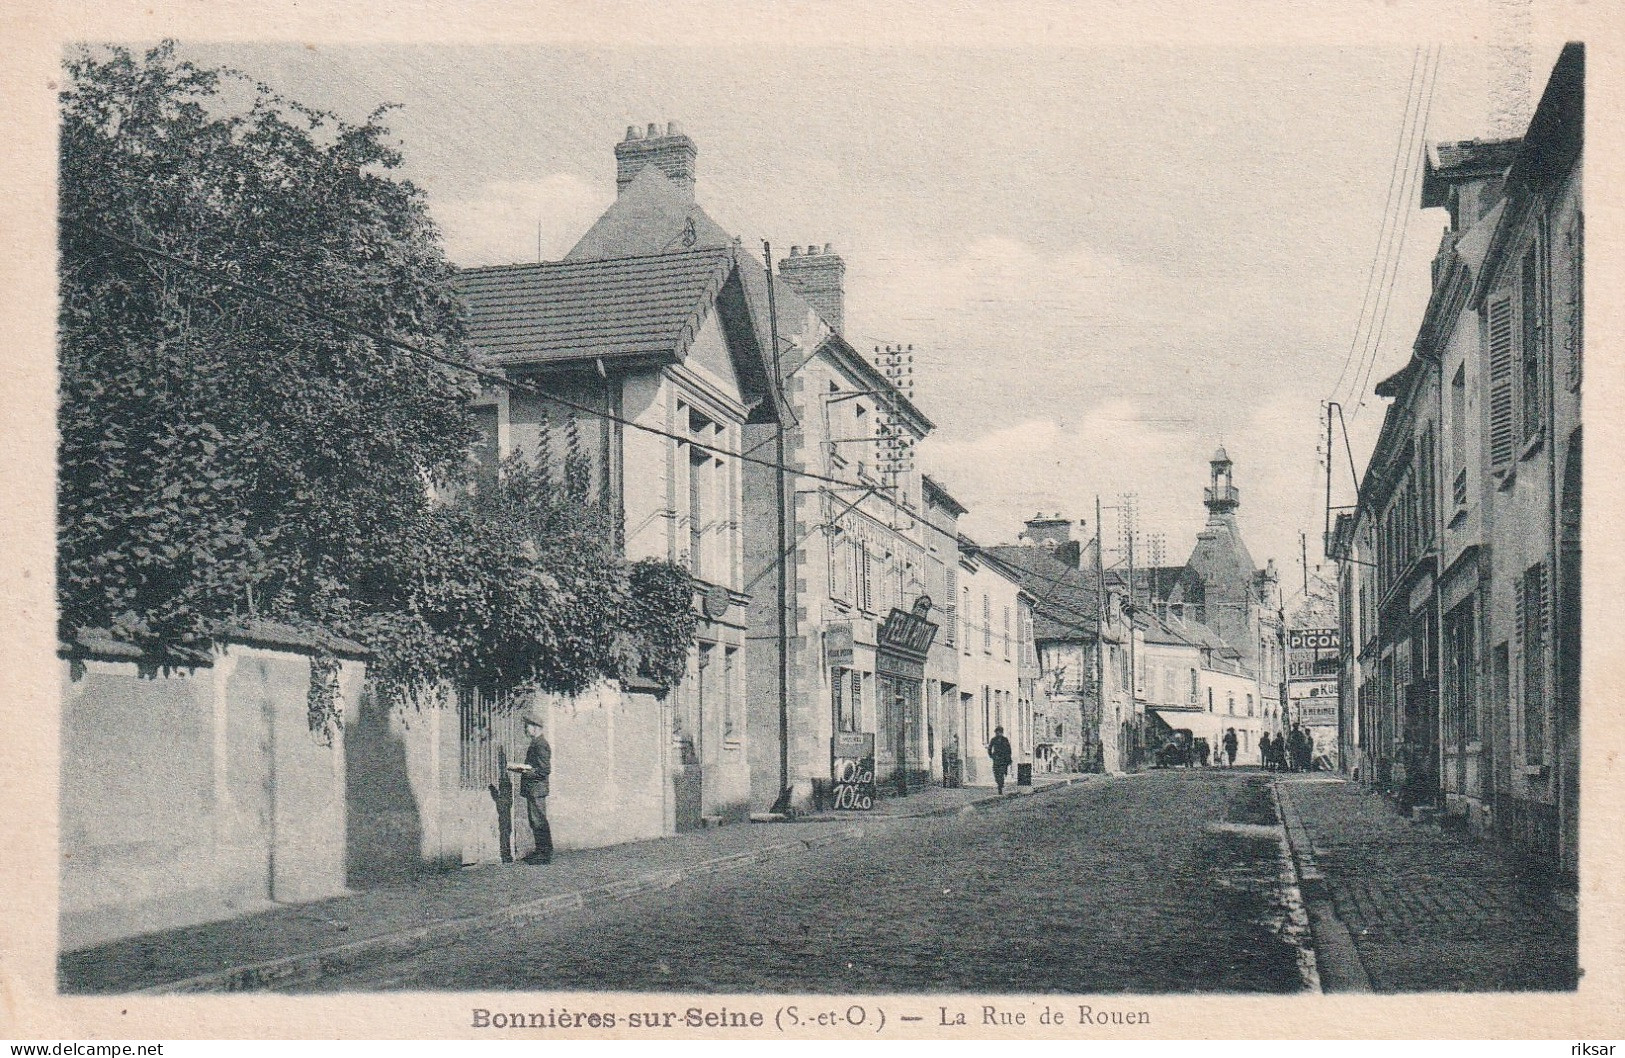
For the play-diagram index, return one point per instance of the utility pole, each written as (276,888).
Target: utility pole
(783,532)
(1326,533)
(1133,672)
(1100,635)
(1303,558)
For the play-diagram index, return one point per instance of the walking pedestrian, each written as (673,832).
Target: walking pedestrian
(998,750)
(1230,747)
(1266,747)
(1203,751)
(534,786)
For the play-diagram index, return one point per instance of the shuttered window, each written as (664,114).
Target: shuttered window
(1533,621)
(1532,372)
(1503,437)
(1574,257)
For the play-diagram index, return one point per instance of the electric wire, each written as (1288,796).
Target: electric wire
(1369,340)
(1387,207)
(1404,230)
(497,378)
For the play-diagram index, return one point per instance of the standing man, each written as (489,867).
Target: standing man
(1266,746)
(999,750)
(1230,747)
(533,787)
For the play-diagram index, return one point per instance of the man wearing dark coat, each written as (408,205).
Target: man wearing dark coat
(998,749)
(534,787)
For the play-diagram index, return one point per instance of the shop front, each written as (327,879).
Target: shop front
(902,753)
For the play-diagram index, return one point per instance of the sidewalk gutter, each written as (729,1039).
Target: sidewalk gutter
(1336,957)
(345,958)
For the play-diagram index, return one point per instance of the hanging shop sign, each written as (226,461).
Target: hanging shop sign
(852,770)
(1311,639)
(838,646)
(1304,690)
(1317,712)
(907,632)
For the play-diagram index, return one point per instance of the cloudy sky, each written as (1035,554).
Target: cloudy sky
(1108,262)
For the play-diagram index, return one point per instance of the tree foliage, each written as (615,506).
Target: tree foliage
(223,455)
(220,451)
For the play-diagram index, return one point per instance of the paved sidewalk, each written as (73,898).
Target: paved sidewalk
(301,942)
(1423,909)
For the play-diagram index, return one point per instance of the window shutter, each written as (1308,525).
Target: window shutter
(1518,619)
(1502,427)
(1575,258)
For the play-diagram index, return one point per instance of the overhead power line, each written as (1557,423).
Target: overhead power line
(497,378)
(1400,152)
(1413,176)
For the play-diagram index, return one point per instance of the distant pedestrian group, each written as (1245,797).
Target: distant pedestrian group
(1293,750)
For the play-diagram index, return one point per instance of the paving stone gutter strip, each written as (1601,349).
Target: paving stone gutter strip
(1337,959)
(345,958)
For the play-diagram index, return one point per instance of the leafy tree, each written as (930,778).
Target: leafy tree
(223,455)
(220,451)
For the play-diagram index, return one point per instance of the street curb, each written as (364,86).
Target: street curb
(1337,959)
(344,958)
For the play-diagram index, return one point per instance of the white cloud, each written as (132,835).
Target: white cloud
(1007,474)
(498,224)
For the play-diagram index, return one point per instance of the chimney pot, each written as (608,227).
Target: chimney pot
(672,129)
(795,251)
(826,247)
(672,155)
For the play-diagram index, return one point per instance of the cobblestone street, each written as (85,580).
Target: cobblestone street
(1429,910)
(1168,882)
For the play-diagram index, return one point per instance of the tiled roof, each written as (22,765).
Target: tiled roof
(626,308)
(1066,604)
(1449,163)
(651,215)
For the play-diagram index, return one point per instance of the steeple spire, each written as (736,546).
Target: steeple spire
(1221,497)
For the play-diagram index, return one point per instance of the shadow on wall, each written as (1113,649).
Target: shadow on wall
(383,824)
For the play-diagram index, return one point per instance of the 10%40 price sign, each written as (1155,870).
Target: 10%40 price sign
(852,778)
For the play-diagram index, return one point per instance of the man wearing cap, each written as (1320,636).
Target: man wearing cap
(533,787)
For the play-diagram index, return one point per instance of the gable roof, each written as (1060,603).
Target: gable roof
(1065,604)
(628,309)
(651,215)
(801,323)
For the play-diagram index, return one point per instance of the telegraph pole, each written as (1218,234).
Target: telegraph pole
(1303,557)
(783,532)
(1100,635)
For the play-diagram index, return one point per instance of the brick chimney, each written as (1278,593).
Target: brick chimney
(817,276)
(1055,536)
(673,153)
